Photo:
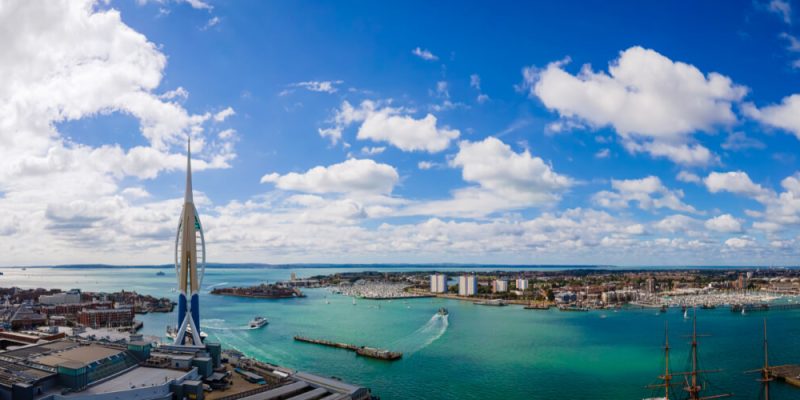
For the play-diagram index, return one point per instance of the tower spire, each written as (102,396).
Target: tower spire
(187,197)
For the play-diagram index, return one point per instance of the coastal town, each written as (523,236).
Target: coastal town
(577,289)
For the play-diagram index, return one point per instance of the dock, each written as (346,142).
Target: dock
(764,307)
(364,351)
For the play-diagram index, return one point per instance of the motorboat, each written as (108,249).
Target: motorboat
(258,322)
(442,311)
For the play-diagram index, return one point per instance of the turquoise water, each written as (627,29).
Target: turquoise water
(476,353)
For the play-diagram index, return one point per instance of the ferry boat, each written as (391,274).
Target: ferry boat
(258,322)
(442,311)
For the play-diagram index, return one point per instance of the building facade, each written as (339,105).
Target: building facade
(522,284)
(467,285)
(438,283)
(500,286)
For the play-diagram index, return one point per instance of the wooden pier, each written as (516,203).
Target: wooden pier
(364,351)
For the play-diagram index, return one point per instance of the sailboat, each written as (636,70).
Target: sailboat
(685,313)
(354,301)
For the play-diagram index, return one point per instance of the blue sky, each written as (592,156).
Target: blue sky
(634,133)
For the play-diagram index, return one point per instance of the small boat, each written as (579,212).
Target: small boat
(663,309)
(685,313)
(442,311)
(354,301)
(744,311)
(172,333)
(160,273)
(258,322)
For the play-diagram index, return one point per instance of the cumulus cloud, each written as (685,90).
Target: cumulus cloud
(655,104)
(735,182)
(739,242)
(785,116)
(424,54)
(724,223)
(73,60)
(391,125)
(353,175)
(504,179)
(688,177)
(649,193)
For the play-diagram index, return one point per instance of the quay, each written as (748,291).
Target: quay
(763,307)
(363,351)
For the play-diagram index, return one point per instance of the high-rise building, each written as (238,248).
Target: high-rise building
(467,285)
(438,283)
(500,285)
(187,261)
(522,284)
(651,285)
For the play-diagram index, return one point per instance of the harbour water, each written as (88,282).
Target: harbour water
(473,353)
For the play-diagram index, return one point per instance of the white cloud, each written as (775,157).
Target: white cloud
(724,223)
(735,182)
(688,177)
(783,8)
(602,153)
(426,165)
(424,54)
(224,114)
(655,104)
(212,22)
(676,224)
(739,242)
(74,60)
(314,86)
(504,180)
(388,124)
(785,115)
(353,175)
(179,92)
(740,141)
(475,82)
(371,151)
(649,193)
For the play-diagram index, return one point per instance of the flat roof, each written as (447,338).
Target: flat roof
(83,354)
(141,376)
(279,392)
(38,349)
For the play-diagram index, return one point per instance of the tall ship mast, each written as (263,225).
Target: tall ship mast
(692,384)
(667,377)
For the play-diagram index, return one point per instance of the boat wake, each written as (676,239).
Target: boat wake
(425,335)
(208,288)
(217,324)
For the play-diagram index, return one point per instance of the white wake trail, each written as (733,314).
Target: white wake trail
(425,335)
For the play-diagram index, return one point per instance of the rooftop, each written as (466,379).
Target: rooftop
(82,354)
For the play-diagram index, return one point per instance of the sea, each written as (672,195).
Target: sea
(476,352)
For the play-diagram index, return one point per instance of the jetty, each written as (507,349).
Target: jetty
(763,307)
(364,351)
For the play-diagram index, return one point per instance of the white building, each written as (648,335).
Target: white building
(71,297)
(438,283)
(467,285)
(500,285)
(522,284)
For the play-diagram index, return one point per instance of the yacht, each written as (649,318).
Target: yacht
(258,322)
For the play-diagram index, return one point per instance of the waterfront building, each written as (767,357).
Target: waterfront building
(106,318)
(467,285)
(190,263)
(651,285)
(500,286)
(522,284)
(438,283)
(71,297)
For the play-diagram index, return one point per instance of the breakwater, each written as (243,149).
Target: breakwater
(364,351)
